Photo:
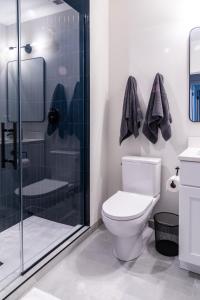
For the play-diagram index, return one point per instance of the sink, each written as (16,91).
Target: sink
(190,154)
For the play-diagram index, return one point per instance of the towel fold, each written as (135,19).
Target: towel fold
(57,117)
(132,114)
(158,113)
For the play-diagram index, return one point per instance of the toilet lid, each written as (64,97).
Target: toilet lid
(126,206)
(42,187)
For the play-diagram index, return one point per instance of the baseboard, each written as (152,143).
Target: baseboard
(189,267)
(22,284)
(97,224)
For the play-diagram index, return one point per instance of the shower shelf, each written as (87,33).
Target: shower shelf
(65,152)
(8,141)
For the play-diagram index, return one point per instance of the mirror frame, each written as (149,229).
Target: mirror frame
(190,33)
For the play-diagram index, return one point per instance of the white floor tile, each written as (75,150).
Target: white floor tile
(91,272)
(40,236)
(36,294)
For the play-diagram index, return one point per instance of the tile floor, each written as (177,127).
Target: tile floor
(40,236)
(91,272)
(36,294)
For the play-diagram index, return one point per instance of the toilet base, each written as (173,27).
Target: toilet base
(129,248)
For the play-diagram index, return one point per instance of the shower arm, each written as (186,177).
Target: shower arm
(27,48)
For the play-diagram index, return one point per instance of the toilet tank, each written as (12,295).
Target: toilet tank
(141,175)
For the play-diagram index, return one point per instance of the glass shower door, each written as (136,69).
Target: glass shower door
(53,113)
(10,196)
(43,121)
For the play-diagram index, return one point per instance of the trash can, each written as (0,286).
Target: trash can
(166,233)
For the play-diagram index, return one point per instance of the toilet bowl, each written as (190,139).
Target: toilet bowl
(57,186)
(128,223)
(42,194)
(127,212)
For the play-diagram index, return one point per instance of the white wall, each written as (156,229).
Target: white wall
(99,74)
(148,37)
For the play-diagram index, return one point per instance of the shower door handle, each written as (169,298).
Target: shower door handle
(13,152)
(3,154)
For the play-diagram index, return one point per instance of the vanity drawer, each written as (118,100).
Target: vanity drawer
(190,173)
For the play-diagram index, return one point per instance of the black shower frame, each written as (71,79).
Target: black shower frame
(82,6)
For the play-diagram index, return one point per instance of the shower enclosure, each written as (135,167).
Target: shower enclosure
(44,116)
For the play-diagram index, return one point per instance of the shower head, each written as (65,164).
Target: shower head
(27,48)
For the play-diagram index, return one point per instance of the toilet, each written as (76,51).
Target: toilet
(56,186)
(127,212)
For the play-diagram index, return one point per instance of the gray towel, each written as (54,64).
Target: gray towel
(58,112)
(132,114)
(158,114)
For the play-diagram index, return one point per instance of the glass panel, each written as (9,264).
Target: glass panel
(53,150)
(10,208)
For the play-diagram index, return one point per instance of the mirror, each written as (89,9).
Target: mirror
(194,78)
(32,90)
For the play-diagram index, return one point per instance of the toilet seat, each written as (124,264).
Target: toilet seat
(42,187)
(126,206)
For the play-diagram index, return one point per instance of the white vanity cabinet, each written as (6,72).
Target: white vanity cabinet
(189,224)
(189,210)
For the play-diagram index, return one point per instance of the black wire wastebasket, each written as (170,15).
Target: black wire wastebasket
(166,233)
